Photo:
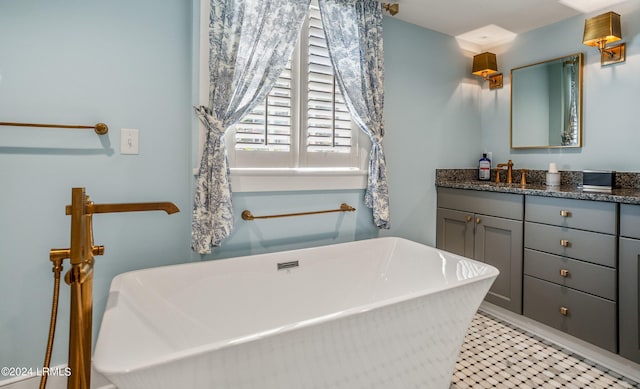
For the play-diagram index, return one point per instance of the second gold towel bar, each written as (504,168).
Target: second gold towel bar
(247,215)
(99,128)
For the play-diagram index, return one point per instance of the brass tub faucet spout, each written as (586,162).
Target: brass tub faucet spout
(92,208)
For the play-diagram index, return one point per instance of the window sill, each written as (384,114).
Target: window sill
(278,180)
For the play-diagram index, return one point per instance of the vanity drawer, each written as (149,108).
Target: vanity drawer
(598,216)
(583,276)
(630,221)
(507,205)
(584,245)
(586,317)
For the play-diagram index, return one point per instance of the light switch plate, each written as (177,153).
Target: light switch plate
(129,141)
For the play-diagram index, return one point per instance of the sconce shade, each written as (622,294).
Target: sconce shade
(391,8)
(484,64)
(602,29)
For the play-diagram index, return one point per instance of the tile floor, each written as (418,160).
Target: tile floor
(496,354)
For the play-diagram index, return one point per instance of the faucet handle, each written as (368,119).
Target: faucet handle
(523,177)
(498,174)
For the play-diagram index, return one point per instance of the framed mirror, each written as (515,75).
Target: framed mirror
(546,104)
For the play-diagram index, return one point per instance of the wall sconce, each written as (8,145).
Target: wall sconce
(391,8)
(486,65)
(601,30)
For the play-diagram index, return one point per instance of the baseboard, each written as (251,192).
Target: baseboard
(600,356)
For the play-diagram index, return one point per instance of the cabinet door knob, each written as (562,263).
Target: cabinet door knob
(564,272)
(564,311)
(564,243)
(478,220)
(469,218)
(565,213)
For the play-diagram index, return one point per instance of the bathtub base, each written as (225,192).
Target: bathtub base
(410,344)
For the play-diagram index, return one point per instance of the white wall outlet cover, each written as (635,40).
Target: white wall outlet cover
(129,141)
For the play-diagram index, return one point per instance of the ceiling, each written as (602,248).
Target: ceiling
(481,24)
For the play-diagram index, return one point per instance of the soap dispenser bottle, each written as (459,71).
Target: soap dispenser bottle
(484,168)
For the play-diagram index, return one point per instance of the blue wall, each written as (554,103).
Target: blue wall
(127,63)
(610,98)
(432,121)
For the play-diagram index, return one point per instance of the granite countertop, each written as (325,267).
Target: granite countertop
(570,188)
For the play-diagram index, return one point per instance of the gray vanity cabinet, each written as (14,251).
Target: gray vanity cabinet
(570,267)
(629,298)
(485,226)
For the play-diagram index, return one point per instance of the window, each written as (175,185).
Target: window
(302,131)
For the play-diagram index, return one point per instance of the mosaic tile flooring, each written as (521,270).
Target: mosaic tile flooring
(496,354)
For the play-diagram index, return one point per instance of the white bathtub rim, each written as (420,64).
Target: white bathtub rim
(106,369)
(206,263)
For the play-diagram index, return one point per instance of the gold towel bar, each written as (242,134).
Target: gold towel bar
(247,215)
(99,128)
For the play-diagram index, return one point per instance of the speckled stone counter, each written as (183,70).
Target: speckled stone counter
(627,191)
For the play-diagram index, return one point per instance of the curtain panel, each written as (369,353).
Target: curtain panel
(353,29)
(250,42)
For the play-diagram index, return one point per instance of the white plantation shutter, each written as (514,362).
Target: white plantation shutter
(303,122)
(268,126)
(328,121)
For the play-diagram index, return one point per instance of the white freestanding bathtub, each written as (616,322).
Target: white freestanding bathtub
(379,313)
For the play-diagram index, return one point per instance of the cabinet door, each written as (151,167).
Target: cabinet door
(629,298)
(454,232)
(498,242)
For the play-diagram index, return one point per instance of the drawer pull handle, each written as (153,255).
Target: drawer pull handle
(564,311)
(469,218)
(478,220)
(564,272)
(564,243)
(565,213)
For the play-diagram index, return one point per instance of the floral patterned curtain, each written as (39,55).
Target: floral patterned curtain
(353,29)
(250,42)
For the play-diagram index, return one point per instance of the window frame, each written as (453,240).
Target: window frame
(294,176)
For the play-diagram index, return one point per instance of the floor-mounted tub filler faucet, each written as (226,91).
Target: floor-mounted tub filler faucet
(80,279)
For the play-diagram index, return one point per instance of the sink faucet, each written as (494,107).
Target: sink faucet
(509,166)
